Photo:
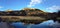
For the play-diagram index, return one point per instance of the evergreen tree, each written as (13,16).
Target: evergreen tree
(59,13)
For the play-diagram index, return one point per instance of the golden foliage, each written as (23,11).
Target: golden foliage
(8,10)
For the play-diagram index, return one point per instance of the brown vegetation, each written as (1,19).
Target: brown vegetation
(29,12)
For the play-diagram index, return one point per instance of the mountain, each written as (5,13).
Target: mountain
(31,12)
(24,12)
(34,12)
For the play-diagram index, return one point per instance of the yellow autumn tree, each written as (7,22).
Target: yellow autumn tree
(9,10)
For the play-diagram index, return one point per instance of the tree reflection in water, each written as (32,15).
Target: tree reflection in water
(45,24)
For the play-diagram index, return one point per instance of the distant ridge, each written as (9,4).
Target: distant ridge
(24,12)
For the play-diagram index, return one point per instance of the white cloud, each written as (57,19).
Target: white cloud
(54,7)
(34,2)
(1,7)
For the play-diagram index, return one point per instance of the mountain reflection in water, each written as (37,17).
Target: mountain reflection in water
(45,24)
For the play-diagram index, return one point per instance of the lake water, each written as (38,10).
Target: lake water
(45,24)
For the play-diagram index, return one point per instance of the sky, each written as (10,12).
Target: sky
(45,5)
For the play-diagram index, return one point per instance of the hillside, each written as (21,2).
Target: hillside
(23,12)
(29,13)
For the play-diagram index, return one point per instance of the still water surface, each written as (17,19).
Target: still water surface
(45,24)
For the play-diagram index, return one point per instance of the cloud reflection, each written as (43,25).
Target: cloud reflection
(45,24)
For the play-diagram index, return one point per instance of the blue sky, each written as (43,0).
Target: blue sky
(45,5)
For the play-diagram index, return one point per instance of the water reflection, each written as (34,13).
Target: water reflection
(45,24)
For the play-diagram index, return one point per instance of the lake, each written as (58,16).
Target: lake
(45,24)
